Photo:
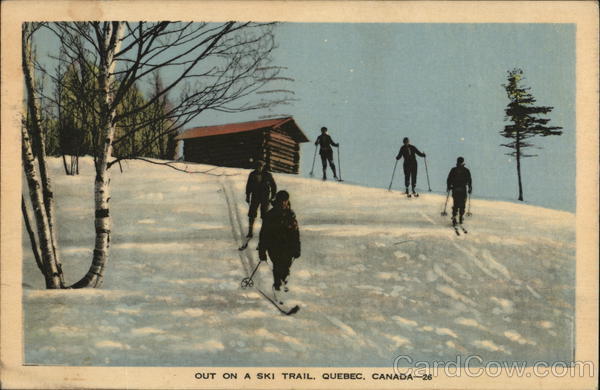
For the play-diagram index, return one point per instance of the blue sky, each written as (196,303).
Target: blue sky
(439,85)
(372,84)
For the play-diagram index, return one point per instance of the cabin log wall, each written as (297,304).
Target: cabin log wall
(280,151)
(239,150)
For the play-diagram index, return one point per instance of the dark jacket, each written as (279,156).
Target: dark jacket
(459,179)
(409,152)
(325,141)
(279,234)
(261,185)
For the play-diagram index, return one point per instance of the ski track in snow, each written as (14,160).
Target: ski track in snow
(233,218)
(379,276)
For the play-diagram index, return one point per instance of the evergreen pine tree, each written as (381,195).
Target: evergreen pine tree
(526,120)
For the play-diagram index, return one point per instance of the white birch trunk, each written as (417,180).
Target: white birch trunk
(44,179)
(35,192)
(32,237)
(102,220)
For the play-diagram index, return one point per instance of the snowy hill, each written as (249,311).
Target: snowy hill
(380,276)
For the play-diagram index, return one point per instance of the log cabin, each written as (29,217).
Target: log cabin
(240,145)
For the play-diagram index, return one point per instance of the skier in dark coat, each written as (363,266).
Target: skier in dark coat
(260,189)
(409,153)
(459,181)
(280,238)
(325,142)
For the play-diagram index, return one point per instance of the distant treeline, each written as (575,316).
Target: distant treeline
(70,116)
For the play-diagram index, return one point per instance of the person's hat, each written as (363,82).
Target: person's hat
(460,161)
(282,196)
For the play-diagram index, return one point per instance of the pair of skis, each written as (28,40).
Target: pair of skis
(335,179)
(408,194)
(457,231)
(248,282)
(279,304)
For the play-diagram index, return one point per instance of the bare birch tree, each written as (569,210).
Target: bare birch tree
(213,66)
(36,170)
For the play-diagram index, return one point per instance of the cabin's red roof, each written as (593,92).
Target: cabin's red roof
(207,131)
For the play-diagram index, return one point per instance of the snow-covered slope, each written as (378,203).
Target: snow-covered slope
(380,276)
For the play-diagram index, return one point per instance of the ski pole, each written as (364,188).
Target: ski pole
(469,207)
(339,164)
(427,173)
(312,169)
(446,204)
(248,282)
(393,172)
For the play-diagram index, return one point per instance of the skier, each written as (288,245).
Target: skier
(409,151)
(325,142)
(458,180)
(280,238)
(260,189)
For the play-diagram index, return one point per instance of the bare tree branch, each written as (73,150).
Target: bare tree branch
(173,166)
